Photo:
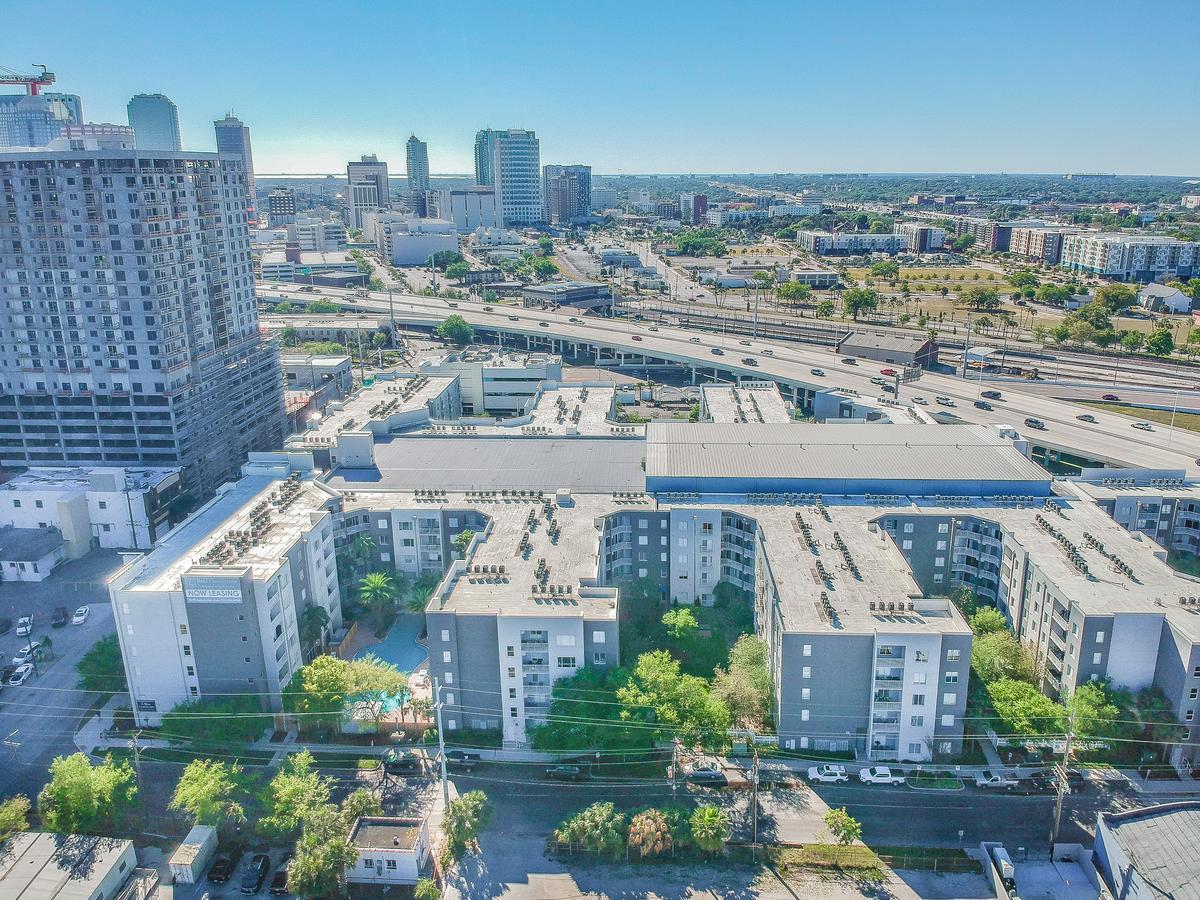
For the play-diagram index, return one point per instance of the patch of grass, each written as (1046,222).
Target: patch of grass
(937,859)
(1186,420)
(345,760)
(935,782)
(859,860)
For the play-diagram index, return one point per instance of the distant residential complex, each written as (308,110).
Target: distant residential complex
(1043,244)
(923,238)
(1130,257)
(824,243)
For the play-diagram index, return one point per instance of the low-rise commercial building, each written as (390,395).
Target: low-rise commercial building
(390,850)
(1148,853)
(37,864)
(468,208)
(314,235)
(750,401)
(720,215)
(1164,298)
(849,243)
(1130,257)
(776,210)
(495,381)
(894,348)
(294,264)
(582,294)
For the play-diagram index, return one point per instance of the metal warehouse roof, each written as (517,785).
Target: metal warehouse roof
(1160,842)
(874,452)
(884,340)
(482,462)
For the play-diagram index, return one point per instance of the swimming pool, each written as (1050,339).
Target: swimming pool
(399,647)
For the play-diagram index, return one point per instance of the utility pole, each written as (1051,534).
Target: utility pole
(1062,778)
(392,316)
(437,708)
(362,368)
(137,754)
(674,768)
(754,801)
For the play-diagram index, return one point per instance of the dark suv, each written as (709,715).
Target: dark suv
(255,873)
(222,868)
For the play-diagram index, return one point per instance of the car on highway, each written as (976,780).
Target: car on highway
(25,626)
(566,773)
(1087,417)
(1142,426)
(944,401)
(820,373)
(888,372)
(547,325)
(575,320)
(828,774)
(255,873)
(694,340)
(452,303)
(983,404)
(880,775)
(81,615)
(1036,424)
(849,361)
(653,328)
(20,674)
(278,886)
(750,360)
(994,778)
(767,351)
(1109,397)
(636,337)
(60,618)
(991,395)
(222,868)
(717,351)
(878,380)
(744,343)
(920,401)
(26,653)
(888,388)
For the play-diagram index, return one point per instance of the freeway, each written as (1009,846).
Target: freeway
(1111,439)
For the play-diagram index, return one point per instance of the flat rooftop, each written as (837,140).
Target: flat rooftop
(1160,841)
(28,544)
(290,513)
(310,258)
(758,404)
(909,454)
(375,403)
(386,833)
(490,358)
(37,865)
(132,478)
(495,462)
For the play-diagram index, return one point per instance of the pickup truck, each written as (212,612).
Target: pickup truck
(990,778)
(880,775)
(462,760)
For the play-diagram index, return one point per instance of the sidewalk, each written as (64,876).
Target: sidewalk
(1164,788)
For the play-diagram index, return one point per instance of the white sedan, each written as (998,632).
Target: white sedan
(81,615)
(26,653)
(880,775)
(19,676)
(828,774)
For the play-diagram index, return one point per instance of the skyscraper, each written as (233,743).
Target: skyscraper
(566,194)
(510,161)
(417,153)
(155,121)
(35,121)
(233,140)
(367,188)
(137,340)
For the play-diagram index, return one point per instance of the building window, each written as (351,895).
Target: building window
(450,697)
(446,637)
(908,527)
(938,577)
(806,672)
(566,662)
(943,527)
(947,721)
(565,640)
(918,699)
(1193,693)
(941,545)
(384,556)
(951,678)
(914,749)
(191,670)
(806,650)
(917,721)
(445,656)
(919,677)
(805,693)
(921,656)
(449,679)
(949,699)
(939,561)
(1189,715)
(906,545)
(382,524)
(600,658)
(512,711)
(953,655)
(1099,637)
(598,637)
(1096,657)
(804,715)
(187,649)
(509,651)
(451,724)
(643,540)
(183,629)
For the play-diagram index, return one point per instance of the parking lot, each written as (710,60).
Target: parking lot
(206,890)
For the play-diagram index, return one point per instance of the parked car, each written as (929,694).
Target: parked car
(1035,783)
(60,617)
(828,774)
(993,778)
(880,775)
(820,373)
(255,873)
(462,760)
(24,626)
(222,868)
(983,404)
(27,653)
(750,360)
(1109,397)
(1077,782)
(20,674)
(1087,417)
(992,395)
(278,884)
(1036,424)
(1143,426)
(402,762)
(707,777)
(81,615)
(566,773)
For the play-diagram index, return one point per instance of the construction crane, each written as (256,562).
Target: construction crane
(33,83)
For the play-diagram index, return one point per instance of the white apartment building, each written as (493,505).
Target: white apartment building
(719,216)
(794,209)
(1190,201)
(922,238)
(468,208)
(311,234)
(824,243)
(510,162)
(215,608)
(101,506)
(1130,257)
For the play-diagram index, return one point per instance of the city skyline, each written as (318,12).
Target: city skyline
(995,94)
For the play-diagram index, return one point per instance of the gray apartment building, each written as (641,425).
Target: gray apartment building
(128,324)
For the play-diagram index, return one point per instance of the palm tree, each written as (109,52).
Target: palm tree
(377,591)
(312,626)
(362,548)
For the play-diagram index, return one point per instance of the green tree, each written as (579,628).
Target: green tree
(1094,313)
(585,714)
(1161,342)
(216,722)
(1023,709)
(843,827)
(293,796)
(709,828)
(361,550)
(963,242)
(745,687)
(859,300)
(374,682)
(323,306)
(312,627)
(885,268)
(794,292)
(427,889)
(997,655)
(1054,294)
(542,268)
(1061,333)
(599,829)
(465,818)
(323,854)
(825,309)
(681,623)
(1115,298)
(101,670)
(1023,278)
(207,790)
(1095,711)
(443,259)
(419,594)
(1132,340)
(377,591)
(456,330)
(966,600)
(360,803)
(289,337)
(988,620)
(317,692)
(14,816)
(458,270)
(700,242)
(650,834)
(674,704)
(979,297)
(84,798)
(1082,332)
(545,245)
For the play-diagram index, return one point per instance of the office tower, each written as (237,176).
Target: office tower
(35,121)
(566,194)
(366,188)
(693,209)
(155,121)
(417,153)
(131,338)
(233,140)
(510,161)
(281,207)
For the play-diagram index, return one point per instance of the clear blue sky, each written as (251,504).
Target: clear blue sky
(653,85)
